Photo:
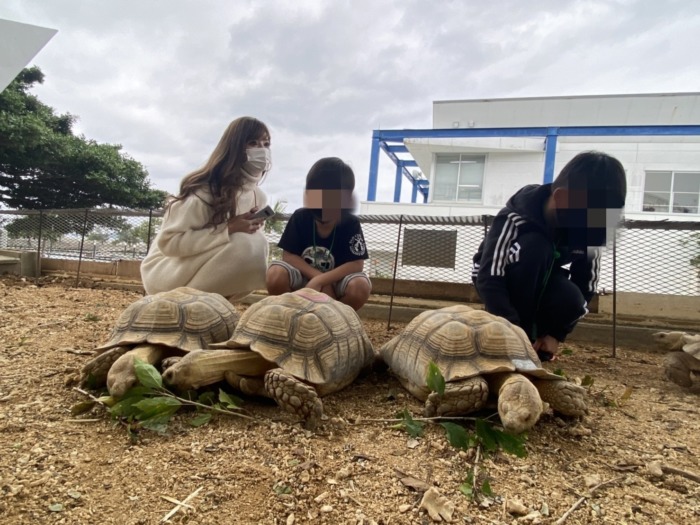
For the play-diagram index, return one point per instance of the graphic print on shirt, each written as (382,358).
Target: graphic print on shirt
(357,245)
(319,257)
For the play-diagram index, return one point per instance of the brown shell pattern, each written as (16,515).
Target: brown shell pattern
(182,318)
(462,342)
(313,337)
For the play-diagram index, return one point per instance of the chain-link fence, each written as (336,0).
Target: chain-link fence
(647,257)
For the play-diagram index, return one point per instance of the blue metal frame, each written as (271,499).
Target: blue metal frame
(392,142)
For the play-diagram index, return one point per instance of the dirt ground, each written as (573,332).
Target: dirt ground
(633,459)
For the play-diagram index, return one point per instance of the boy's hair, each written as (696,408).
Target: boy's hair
(330,173)
(601,176)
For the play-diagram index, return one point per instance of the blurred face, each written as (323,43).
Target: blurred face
(330,205)
(586,216)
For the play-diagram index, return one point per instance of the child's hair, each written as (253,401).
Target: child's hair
(330,173)
(221,174)
(599,174)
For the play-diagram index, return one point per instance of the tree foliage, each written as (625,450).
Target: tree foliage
(43,165)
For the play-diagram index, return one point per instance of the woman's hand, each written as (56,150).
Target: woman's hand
(244,223)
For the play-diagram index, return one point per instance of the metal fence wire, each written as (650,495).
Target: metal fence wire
(657,257)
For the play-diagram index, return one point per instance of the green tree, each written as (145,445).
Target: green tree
(141,230)
(43,165)
(275,223)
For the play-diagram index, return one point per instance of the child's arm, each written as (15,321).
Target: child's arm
(336,274)
(300,264)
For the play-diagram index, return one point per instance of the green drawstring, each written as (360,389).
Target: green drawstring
(556,254)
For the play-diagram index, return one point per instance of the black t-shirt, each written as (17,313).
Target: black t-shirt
(346,243)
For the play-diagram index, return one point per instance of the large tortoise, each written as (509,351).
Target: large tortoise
(682,364)
(478,353)
(293,348)
(155,327)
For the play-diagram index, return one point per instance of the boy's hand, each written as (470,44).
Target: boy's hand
(547,348)
(316,283)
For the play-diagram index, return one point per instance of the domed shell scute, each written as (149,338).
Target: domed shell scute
(183,318)
(463,342)
(308,334)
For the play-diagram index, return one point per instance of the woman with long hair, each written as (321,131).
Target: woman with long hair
(210,239)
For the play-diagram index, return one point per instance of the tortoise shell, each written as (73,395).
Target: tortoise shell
(310,335)
(183,318)
(462,342)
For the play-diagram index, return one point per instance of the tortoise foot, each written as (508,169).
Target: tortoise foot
(294,396)
(460,397)
(564,397)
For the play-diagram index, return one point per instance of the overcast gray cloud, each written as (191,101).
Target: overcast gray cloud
(164,78)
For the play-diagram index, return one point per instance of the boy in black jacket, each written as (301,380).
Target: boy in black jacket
(518,269)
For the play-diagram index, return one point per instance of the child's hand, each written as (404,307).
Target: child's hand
(244,223)
(315,283)
(546,346)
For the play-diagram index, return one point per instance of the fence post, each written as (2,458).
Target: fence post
(614,297)
(82,242)
(393,279)
(38,248)
(148,237)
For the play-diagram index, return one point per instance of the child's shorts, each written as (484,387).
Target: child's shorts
(298,281)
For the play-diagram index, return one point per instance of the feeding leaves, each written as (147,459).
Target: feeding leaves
(435,379)
(149,405)
(147,374)
(407,423)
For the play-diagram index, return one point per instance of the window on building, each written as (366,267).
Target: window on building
(672,192)
(458,177)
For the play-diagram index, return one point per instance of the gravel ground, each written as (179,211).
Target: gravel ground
(633,459)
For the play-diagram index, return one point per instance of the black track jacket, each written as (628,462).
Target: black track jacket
(520,243)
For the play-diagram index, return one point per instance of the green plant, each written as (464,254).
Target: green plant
(151,406)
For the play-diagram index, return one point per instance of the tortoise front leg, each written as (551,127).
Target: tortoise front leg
(94,372)
(564,397)
(460,397)
(251,386)
(294,396)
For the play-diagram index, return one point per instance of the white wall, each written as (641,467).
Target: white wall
(505,173)
(603,110)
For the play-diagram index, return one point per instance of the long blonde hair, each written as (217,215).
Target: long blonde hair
(221,174)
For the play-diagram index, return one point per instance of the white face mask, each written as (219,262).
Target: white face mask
(259,160)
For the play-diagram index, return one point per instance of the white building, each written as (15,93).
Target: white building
(480,152)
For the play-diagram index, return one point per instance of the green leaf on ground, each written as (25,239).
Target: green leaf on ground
(458,436)
(414,428)
(82,407)
(435,381)
(200,419)
(147,374)
(229,401)
(156,406)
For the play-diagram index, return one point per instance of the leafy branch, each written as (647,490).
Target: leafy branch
(484,440)
(150,405)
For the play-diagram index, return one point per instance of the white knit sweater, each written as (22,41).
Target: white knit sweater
(186,253)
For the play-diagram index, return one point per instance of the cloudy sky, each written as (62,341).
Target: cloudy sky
(165,77)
